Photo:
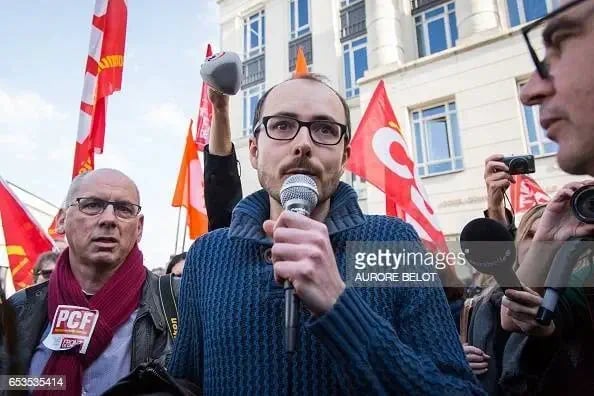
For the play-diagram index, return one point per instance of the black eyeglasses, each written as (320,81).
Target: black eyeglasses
(328,133)
(94,206)
(550,37)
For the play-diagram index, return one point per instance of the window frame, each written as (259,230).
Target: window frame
(248,94)
(294,11)
(424,24)
(550,5)
(248,51)
(348,47)
(422,165)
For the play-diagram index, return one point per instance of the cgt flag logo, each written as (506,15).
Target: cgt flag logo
(71,326)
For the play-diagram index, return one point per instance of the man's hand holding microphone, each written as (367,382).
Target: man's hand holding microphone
(302,253)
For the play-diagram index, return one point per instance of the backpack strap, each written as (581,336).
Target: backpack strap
(465,319)
(169,303)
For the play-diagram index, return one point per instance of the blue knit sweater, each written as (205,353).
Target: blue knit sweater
(374,341)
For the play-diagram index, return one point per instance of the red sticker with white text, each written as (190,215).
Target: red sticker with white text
(71,326)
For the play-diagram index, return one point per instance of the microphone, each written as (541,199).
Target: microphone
(223,72)
(561,269)
(298,194)
(489,247)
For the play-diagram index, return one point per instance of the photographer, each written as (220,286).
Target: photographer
(498,180)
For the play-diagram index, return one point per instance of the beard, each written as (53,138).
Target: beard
(327,184)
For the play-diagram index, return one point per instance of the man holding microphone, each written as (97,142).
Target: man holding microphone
(354,341)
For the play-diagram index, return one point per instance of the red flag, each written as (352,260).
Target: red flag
(379,154)
(103,76)
(25,239)
(526,193)
(189,190)
(204,113)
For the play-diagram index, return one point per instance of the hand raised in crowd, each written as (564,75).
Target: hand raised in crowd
(558,223)
(519,309)
(220,102)
(498,180)
(302,253)
(476,358)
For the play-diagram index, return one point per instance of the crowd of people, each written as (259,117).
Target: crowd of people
(212,321)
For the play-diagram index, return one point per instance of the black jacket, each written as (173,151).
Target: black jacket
(150,337)
(222,188)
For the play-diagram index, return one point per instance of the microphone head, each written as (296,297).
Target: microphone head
(299,193)
(488,246)
(223,72)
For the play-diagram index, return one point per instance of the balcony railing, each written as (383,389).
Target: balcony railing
(254,71)
(305,43)
(353,21)
(422,5)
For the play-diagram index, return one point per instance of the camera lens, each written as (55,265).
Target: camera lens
(520,164)
(582,204)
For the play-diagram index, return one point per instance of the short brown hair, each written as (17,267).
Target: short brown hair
(43,257)
(311,77)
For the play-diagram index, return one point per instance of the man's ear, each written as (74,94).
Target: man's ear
(253,147)
(346,154)
(140,227)
(60,228)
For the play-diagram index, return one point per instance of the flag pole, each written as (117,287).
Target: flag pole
(177,230)
(185,232)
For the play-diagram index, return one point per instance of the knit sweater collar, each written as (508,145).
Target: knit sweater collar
(251,212)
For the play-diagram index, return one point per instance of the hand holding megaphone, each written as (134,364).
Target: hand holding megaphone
(223,72)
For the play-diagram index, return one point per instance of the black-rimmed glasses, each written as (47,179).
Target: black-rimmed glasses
(285,128)
(94,206)
(552,36)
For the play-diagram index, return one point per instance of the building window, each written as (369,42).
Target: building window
(522,11)
(346,3)
(254,71)
(437,140)
(538,143)
(251,97)
(304,42)
(254,35)
(437,29)
(355,64)
(352,20)
(299,16)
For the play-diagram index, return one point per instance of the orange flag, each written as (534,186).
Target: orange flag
(301,63)
(189,191)
(103,76)
(25,239)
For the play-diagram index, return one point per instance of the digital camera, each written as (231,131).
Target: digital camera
(519,164)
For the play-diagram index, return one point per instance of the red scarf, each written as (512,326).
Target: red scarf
(116,301)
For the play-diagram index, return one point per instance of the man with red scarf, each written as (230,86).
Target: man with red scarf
(101,277)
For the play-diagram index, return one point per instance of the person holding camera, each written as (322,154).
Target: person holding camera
(498,179)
